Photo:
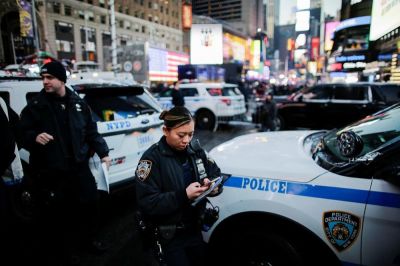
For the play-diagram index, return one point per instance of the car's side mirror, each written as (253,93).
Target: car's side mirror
(350,144)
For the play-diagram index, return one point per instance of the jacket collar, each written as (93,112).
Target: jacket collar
(43,99)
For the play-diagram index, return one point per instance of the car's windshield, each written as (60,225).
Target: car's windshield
(374,130)
(116,102)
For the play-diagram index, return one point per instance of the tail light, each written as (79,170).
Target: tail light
(226,101)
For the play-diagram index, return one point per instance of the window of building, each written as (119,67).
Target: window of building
(166,11)
(56,8)
(67,10)
(143,29)
(64,40)
(106,38)
(142,15)
(88,43)
(127,11)
(141,2)
(81,14)
(127,25)
(150,18)
(120,9)
(161,9)
(102,3)
(150,4)
(121,24)
(90,15)
(103,19)
(90,2)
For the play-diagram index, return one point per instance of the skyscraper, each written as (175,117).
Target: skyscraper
(245,15)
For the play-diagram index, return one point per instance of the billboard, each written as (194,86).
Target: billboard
(186,16)
(302,20)
(206,45)
(330,28)
(234,48)
(384,18)
(25,19)
(163,64)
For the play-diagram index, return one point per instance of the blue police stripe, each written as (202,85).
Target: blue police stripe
(325,192)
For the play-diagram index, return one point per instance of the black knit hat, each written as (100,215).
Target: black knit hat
(55,69)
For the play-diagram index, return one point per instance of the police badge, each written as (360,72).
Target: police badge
(341,228)
(143,169)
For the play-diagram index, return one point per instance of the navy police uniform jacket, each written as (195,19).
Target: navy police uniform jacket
(38,117)
(160,186)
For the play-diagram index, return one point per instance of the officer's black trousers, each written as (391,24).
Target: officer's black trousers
(68,211)
(187,248)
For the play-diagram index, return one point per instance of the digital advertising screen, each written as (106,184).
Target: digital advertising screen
(385,17)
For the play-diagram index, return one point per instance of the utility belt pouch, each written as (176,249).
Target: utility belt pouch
(167,232)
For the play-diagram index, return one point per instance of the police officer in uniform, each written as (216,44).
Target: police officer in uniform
(170,175)
(58,130)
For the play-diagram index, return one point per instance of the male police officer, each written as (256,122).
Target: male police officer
(58,130)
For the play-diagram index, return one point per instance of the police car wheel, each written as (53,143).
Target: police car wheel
(266,250)
(205,120)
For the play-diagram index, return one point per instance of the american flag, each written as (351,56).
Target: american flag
(163,65)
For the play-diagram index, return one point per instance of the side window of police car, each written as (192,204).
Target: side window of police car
(165,93)
(189,92)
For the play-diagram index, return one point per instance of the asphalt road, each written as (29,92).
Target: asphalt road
(118,213)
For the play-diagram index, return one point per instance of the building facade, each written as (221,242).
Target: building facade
(246,16)
(81,30)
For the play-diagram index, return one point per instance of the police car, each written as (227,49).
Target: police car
(311,197)
(127,117)
(211,103)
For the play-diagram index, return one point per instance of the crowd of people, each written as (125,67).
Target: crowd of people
(57,129)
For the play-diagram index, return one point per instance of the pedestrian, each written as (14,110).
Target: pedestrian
(177,96)
(10,163)
(58,130)
(269,112)
(170,175)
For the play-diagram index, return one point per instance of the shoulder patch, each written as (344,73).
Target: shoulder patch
(143,169)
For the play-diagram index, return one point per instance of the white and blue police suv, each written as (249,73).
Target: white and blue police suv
(210,103)
(127,116)
(311,197)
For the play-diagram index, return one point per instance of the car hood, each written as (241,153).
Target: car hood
(276,155)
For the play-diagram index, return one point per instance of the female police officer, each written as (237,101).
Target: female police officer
(170,175)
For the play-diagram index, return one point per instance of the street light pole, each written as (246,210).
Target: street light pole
(113,37)
(35,27)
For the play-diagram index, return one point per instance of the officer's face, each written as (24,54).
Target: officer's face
(178,138)
(53,85)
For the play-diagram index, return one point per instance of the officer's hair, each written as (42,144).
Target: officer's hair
(176,117)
